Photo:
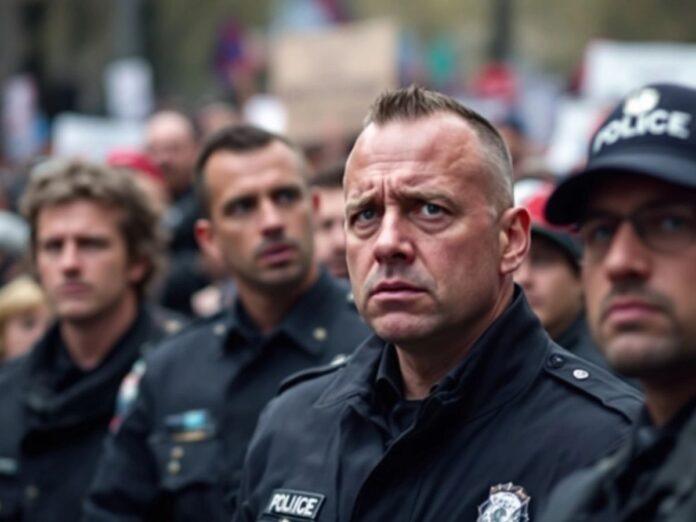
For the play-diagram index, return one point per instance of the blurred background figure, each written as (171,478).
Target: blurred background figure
(14,237)
(24,317)
(329,235)
(147,175)
(214,115)
(171,141)
(550,277)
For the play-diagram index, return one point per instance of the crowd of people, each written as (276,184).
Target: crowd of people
(222,325)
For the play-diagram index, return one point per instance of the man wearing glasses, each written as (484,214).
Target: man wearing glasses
(635,204)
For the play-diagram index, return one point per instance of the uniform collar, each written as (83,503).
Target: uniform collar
(500,365)
(306,324)
(91,395)
(388,382)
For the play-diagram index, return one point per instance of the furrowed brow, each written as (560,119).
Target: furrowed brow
(360,201)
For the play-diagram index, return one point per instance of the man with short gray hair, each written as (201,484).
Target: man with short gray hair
(461,405)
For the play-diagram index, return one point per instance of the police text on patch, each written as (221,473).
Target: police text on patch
(301,504)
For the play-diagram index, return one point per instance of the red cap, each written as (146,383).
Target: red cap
(137,161)
(561,236)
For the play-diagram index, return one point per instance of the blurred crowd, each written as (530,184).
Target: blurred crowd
(154,302)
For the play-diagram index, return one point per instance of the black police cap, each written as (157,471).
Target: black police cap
(652,132)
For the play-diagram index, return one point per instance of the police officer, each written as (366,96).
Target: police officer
(635,203)
(462,406)
(95,246)
(179,450)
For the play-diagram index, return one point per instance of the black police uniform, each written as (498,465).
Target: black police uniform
(179,451)
(578,340)
(55,417)
(651,478)
(492,437)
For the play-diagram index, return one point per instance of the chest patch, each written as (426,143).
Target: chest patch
(506,503)
(292,503)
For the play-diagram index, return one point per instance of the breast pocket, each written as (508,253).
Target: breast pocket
(192,478)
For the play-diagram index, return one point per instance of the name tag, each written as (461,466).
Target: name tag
(191,426)
(292,503)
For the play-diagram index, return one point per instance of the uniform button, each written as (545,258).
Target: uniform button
(555,361)
(319,333)
(581,374)
(219,329)
(350,297)
(339,359)
(174,467)
(172,326)
(31,492)
(177,452)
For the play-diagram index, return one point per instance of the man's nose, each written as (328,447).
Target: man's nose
(272,219)
(627,256)
(69,259)
(393,243)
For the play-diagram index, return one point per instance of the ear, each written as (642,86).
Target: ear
(137,271)
(205,237)
(515,225)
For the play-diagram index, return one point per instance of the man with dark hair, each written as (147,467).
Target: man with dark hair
(178,452)
(330,236)
(461,406)
(635,204)
(95,246)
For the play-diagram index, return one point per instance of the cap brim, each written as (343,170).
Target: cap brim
(568,202)
(562,240)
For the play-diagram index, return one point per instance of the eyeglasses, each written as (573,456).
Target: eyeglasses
(666,228)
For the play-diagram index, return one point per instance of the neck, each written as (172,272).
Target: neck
(422,367)
(664,400)
(89,341)
(268,308)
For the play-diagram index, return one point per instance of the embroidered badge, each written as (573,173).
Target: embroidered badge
(127,394)
(506,503)
(297,504)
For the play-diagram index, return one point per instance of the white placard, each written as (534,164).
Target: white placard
(612,69)
(92,138)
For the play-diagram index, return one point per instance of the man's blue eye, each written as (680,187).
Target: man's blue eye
(431,209)
(365,215)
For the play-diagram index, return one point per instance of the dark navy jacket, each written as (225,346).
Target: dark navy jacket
(651,478)
(494,435)
(54,417)
(179,451)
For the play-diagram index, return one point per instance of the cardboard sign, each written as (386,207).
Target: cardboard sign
(328,78)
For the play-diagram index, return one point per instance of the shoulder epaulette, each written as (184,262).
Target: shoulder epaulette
(594,381)
(312,373)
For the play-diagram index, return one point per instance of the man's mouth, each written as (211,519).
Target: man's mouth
(277,254)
